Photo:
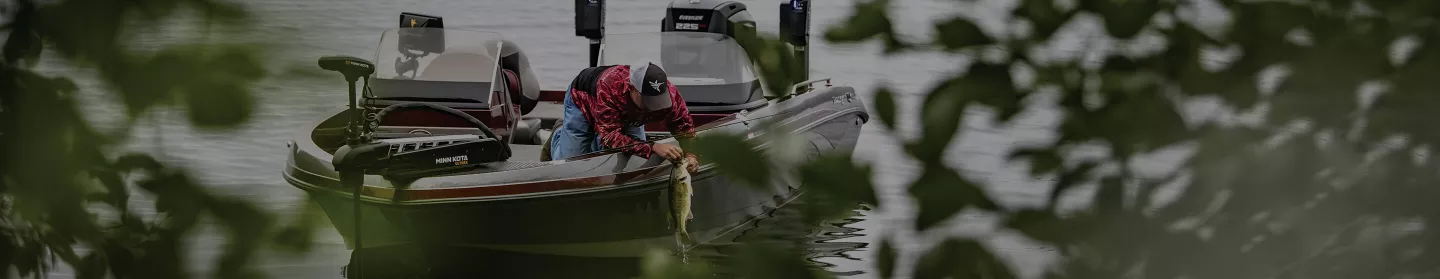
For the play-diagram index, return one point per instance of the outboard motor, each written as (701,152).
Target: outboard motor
(698,52)
(712,16)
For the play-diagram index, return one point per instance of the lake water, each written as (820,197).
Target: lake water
(248,161)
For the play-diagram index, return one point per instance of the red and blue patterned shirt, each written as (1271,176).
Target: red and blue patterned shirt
(611,109)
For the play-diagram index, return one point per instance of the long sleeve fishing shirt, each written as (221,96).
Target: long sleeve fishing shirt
(610,109)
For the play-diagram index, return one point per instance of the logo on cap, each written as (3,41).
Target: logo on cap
(656,84)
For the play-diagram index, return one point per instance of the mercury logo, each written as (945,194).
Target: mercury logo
(453,159)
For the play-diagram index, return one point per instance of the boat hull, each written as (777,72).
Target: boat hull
(612,215)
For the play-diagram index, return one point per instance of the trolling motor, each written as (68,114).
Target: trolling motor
(350,177)
(409,158)
(403,160)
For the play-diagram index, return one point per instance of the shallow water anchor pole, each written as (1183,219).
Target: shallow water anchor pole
(590,23)
(595,52)
(795,29)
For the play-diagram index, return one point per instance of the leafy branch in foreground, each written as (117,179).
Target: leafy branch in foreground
(65,192)
(1325,174)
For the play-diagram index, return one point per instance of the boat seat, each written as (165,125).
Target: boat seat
(519,76)
(527,131)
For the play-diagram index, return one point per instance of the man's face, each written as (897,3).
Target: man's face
(635,97)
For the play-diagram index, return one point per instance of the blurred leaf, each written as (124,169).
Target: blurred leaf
(247,225)
(177,195)
(834,186)
(885,260)
(164,72)
(959,33)
(1040,225)
(1111,196)
(941,193)
(133,161)
(868,20)
(1068,178)
(116,192)
(1409,95)
(762,261)
(940,119)
(991,85)
(735,158)
(774,59)
(961,259)
(51,215)
(1318,88)
(1124,18)
(1042,160)
(224,11)
(22,43)
(219,106)
(943,109)
(885,107)
(92,266)
(297,236)
(1044,18)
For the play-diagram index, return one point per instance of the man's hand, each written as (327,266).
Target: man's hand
(694,165)
(669,151)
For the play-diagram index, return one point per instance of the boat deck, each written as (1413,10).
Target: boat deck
(525,153)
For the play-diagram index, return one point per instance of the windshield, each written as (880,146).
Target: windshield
(434,54)
(689,58)
(436,64)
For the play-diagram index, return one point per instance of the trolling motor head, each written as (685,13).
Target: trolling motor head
(352,67)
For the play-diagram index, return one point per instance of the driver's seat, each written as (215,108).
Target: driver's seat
(526,130)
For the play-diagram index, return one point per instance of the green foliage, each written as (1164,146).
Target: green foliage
(1323,181)
(751,168)
(868,21)
(59,175)
(961,259)
(885,259)
(838,185)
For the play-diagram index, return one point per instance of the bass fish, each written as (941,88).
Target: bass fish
(680,194)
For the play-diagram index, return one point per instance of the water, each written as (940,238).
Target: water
(248,161)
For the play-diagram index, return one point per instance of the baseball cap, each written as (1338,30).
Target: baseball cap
(652,83)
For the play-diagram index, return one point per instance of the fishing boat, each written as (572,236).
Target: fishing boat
(442,143)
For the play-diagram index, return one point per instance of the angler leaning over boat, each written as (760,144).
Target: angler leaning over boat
(608,106)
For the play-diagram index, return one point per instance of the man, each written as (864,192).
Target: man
(607,107)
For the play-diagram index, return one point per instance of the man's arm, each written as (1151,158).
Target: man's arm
(612,90)
(681,125)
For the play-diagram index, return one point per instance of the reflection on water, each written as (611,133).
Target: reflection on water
(784,227)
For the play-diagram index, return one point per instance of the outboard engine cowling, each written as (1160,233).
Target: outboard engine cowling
(712,16)
(711,74)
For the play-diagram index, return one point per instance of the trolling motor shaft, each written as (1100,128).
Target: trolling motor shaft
(350,176)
